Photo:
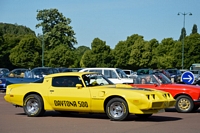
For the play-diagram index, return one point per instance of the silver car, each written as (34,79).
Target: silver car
(196,74)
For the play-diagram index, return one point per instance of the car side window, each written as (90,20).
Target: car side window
(110,74)
(113,74)
(107,73)
(66,81)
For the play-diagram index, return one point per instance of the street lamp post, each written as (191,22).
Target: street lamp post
(180,13)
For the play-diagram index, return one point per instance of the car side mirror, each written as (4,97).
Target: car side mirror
(78,86)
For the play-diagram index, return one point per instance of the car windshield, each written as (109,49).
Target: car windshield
(172,71)
(96,79)
(157,78)
(121,73)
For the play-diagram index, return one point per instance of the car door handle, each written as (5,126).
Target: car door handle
(51,90)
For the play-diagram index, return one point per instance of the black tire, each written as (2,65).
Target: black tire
(117,109)
(195,108)
(184,104)
(143,115)
(33,105)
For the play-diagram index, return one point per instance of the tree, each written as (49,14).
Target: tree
(137,58)
(79,52)
(9,41)
(15,29)
(98,56)
(60,56)
(164,54)
(192,49)
(183,34)
(194,29)
(56,28)
(122,53)
(27,53)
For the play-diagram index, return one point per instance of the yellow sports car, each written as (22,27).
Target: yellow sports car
(87,92)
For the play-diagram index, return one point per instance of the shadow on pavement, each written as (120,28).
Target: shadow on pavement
(104,116)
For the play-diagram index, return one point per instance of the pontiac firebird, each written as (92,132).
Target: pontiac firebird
(87,92)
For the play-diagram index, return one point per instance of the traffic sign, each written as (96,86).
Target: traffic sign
(187,77)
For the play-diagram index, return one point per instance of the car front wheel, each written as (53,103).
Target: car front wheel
(184,104)
(117,109)
(33,105)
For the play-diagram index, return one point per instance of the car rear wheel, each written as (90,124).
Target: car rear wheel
(143,115)
(33,105)
(184,104)
(117,109)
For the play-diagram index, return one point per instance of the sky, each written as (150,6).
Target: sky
(109,20)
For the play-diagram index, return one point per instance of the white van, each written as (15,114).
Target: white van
(115,75)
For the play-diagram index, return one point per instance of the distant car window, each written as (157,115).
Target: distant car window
(113,74)
(66,81)
(99,71)
(127,72)
(55,70)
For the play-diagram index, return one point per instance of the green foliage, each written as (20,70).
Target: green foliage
(98,56)
(194,29)
(27,53)
(122,53)
(60,56)
(6,28)
(183,34)
(19,47)
(56,28)
(9,41)
(192,50)
(79,52)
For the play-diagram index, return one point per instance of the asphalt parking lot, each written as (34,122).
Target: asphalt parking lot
(13,120)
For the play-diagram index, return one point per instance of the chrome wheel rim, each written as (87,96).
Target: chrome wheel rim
(184,104)
(32,106)
(117,109)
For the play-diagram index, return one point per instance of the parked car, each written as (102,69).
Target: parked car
(196,75)
(166,73)
(144,71)
(4,72)
(72,69)
(183,70)
(26,76)
(130,73)
(5,81)
(39,72)
(116,75)
(75,92)
(187,96)
(175,74)
(18,72)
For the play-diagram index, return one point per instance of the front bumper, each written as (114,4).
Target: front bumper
(197,102)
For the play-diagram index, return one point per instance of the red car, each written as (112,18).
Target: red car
(187,96)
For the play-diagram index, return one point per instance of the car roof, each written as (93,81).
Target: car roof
(69,74)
